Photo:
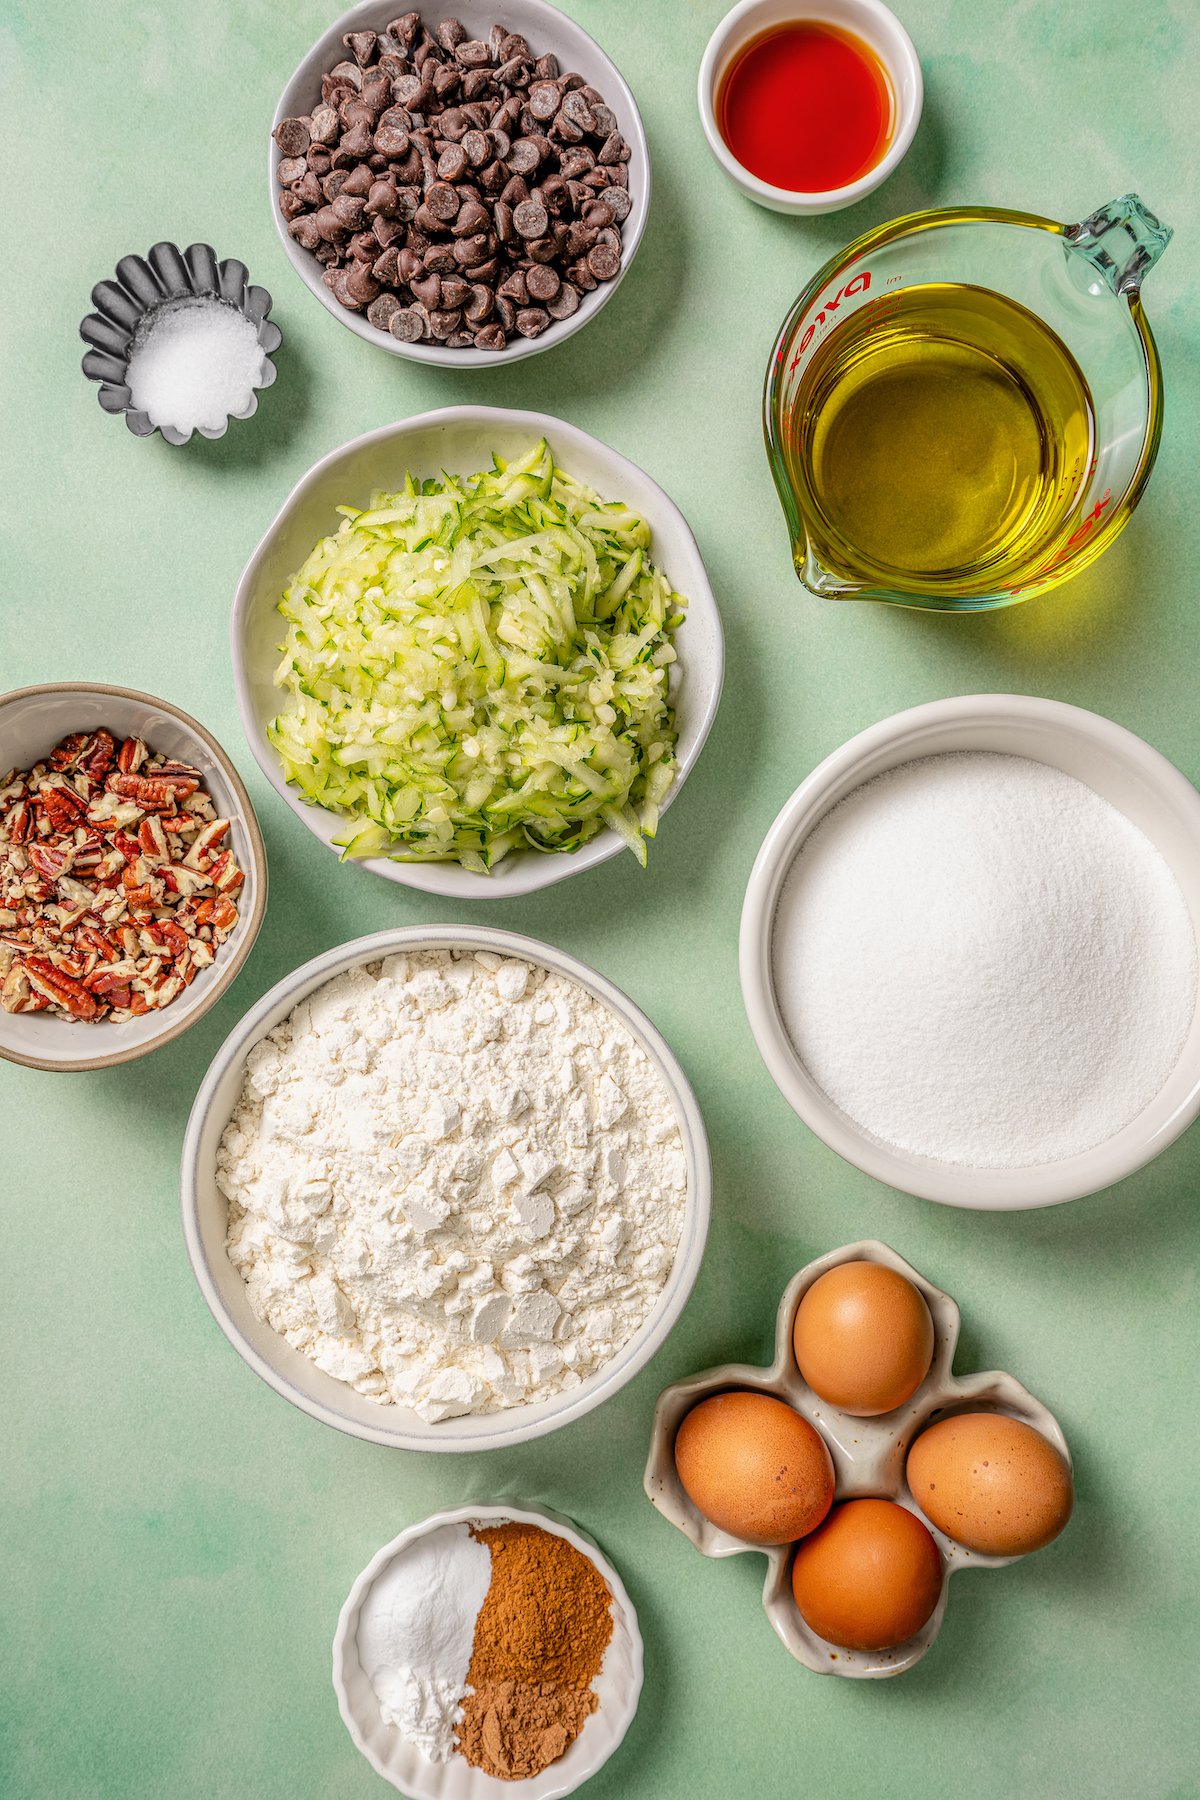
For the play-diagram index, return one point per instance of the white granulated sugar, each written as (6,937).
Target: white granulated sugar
(981,961)
(416,1630)
(194,363)
(457,1183)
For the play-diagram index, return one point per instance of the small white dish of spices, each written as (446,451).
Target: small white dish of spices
(968,952)
(485,1651)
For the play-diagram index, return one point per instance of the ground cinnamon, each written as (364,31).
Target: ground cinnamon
(539,1642)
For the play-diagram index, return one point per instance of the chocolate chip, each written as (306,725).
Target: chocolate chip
(479,305)
(452,163)
(576,109)
(473,54)
(428,290)
(610,150)
(478,147)
(546,67)
(566,302)
(565,131)
(603,261)
(544,97)
(386,269)
(409,325)
(362,46)
(356,142)
(532,321)
(618,203)
(442,201)
(492,337)
(361,285)
(473,216)
(441,324)
(391,132)
(289,169)
(293,136)
(450,33)
(305,231)
(468,252)
(530,219)
(576,162)
(383,197)
(524,157)
(542,283)
(377,91)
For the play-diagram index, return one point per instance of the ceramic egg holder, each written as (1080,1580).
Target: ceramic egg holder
(868,1457)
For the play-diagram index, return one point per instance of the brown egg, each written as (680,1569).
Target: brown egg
(753,1466)
(863,1338)
(869,1577)
(991,1483)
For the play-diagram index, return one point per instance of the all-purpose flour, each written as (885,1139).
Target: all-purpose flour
(980,960)
(456,1183)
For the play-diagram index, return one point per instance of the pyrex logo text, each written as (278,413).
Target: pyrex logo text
(859,284)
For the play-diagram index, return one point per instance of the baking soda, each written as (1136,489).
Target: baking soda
(981,961)
(416,1630)
(195,363)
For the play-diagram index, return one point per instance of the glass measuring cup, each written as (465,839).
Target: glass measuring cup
(1083,281)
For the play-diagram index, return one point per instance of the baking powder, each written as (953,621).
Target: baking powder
(416,1628)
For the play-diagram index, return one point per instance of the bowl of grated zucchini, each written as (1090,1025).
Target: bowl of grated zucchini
(477,651)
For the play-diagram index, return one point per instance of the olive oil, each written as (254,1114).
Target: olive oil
(940,440)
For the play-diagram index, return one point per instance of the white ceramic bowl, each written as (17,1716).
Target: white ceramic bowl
(617,1686)
(1115,764)
(547,31)
(289,1371)
(868,20)
(32,721)
(460,440)
(869,1457)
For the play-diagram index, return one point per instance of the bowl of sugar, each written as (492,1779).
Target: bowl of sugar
(969,952)
(180,343)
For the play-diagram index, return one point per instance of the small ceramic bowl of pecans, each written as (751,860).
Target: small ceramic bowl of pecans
(133,878)
(465,184)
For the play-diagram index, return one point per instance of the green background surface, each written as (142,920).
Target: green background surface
(177,1540)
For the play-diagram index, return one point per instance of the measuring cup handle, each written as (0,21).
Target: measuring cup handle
(1121,241)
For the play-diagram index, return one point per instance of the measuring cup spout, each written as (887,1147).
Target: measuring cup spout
(827,583)
(1122,241)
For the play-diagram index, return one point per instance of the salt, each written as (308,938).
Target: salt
(981,961)
(194,364)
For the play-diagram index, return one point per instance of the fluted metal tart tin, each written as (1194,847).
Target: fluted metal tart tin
(142,286)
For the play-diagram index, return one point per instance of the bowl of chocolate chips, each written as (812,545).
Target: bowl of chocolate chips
(455,189)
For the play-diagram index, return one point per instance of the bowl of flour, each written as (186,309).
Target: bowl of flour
(445,1188)
(969,952)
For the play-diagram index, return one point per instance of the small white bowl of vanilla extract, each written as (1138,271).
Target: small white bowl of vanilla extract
(808,108)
